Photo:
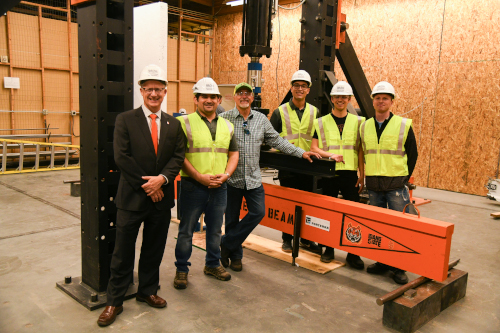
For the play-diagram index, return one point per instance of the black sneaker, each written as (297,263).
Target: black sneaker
(377,268)
(400,277)
(328,255)
(224,255)
(354,261)
(311,246)
(287,246)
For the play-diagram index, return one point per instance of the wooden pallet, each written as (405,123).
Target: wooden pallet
(272,249)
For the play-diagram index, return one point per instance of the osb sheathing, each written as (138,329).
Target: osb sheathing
(443,59)
(24,31)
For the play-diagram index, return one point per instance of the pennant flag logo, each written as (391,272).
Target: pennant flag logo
(357,234)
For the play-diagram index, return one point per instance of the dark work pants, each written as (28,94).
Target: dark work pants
(344,183)
(154,238)
(298,182)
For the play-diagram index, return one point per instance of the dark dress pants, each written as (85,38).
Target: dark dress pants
(154,238)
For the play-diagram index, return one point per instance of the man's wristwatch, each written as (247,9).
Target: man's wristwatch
(228,175)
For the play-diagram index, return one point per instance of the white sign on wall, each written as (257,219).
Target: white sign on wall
(11,83)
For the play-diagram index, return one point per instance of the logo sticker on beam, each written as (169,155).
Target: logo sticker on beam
(356,234)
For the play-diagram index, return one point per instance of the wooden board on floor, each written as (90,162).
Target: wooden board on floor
(495,215)
(271,248)
(305,259)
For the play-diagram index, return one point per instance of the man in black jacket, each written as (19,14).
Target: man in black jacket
(149,151)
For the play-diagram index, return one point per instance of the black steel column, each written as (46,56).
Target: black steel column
(317,57)
(105,43)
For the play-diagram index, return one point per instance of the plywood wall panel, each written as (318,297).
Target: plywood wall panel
(25,36)
(57,90)
(55,46)
(4,49)
(172,97)
(466,128)
(172,59)
(74,46)
(28,98)
(186,97)
(471,30)
(187,60)
(4,93)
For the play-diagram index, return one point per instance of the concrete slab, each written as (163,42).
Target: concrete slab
(267,296)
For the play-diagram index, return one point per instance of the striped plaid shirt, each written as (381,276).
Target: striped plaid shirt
(247,174)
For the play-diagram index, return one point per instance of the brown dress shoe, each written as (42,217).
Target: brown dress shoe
(109,314)
(153,300)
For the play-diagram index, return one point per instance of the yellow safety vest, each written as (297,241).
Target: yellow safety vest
(329,139)
(298,133)
(387,157)
(206,156)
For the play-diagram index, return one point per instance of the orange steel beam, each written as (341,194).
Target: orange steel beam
(418,245)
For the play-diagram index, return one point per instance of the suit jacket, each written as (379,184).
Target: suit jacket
(135,157)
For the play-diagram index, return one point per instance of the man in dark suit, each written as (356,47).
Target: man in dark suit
(149,151)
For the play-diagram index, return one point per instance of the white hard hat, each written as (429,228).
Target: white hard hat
(206,86)
(384,87)
(301,75)
(341,88)
(153,72)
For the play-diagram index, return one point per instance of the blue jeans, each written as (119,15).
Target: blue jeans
(395,199)
(197,199)
(237,231)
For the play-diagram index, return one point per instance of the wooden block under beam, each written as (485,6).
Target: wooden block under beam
(271,248)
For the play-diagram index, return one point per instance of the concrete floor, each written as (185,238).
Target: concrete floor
(40,244)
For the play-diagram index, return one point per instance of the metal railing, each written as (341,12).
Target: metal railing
(6,144)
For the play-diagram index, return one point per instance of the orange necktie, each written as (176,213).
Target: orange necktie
(154,132)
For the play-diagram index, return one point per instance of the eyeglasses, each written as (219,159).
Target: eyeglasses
(244,93)
(300,86)
(156,90)
(245,129)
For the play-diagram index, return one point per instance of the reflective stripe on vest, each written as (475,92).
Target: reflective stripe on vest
(385,156)
(207,156)
(307,135)
(349,151)
(189,135)
(401,137)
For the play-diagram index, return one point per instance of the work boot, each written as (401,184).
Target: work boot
(224,255)
(354,261)
(218,272)
(400,277)
(236,265)
(328,255)
(180,280)
(310,246)
(287,247)
(377,268)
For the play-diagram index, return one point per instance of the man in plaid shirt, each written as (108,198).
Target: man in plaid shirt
(251,128)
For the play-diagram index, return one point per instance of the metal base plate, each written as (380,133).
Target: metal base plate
(408,314)
(82,293)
